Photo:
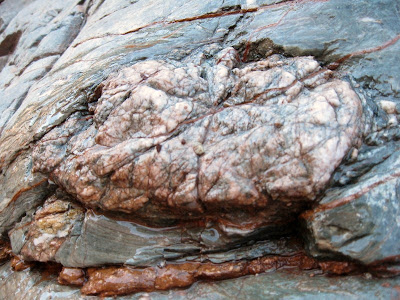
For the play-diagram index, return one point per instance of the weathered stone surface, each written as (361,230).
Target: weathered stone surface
(51,225)
(69,90)
(33,35)
(32,41)
(330,30)
(264,137)
(21,191)
(55,59)
(29,284)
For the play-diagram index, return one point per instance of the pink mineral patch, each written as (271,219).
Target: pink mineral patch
(190,140)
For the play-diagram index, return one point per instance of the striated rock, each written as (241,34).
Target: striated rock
(33,35)
(30,44)
(360,221)
(22,192)
(330,30)
(97,240)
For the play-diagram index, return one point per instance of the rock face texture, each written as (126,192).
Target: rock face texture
(31,42)
(199,140)
(159,140)
(360,221)
(281,284)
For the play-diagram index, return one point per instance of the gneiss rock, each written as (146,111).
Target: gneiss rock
(246,145)
(179,141)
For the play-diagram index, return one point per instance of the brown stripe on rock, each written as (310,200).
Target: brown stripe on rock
(113,281)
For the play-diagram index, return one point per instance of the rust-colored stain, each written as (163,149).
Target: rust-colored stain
(5,251)
(18,264)
(217,14)
(113,281)
(225,13)
(71,276)
(389,43)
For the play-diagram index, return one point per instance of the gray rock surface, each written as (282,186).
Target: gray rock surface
(330,30)
(59,232)
(32,41)
(301,106)
(360,221)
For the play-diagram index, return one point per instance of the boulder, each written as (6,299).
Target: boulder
(262,138)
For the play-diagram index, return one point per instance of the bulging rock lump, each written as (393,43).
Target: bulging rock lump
(254,142)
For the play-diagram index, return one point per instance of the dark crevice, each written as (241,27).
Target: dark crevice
(98,91)
(8,45)
(96,8)
(255,51)
(230,8)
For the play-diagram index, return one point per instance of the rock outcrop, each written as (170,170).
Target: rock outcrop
(206,140)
